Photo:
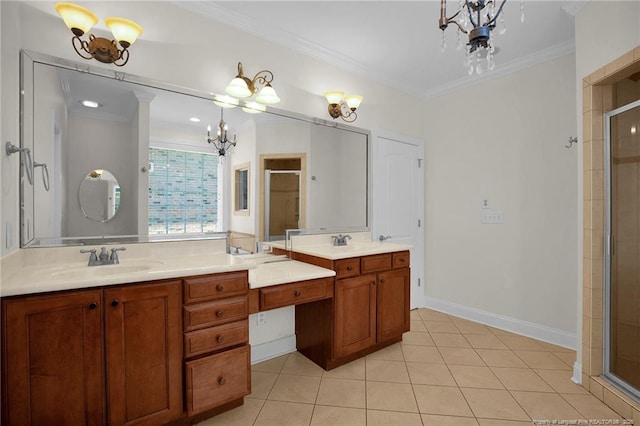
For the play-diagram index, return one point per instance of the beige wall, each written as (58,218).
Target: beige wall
(513,154)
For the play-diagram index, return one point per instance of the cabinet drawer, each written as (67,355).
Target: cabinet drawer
(294,294)
(346,268)
(213,339)
(217,379)
(401,260)
(218,312)
(377,262)
(211,287)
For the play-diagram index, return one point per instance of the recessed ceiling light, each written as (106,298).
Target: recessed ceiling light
(90,104)
(194,119)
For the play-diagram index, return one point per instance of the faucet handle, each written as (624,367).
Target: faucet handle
(93,255)
(114,254)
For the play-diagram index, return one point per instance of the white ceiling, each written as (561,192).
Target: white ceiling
(398,42)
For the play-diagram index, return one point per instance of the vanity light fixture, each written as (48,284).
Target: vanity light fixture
(225,101)
(243,87)
(253,107)
(344,108)
(221,142)
(477,19)
(80,20)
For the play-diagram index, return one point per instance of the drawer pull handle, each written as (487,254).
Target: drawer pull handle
(219,339)
(219,287)
(296,293)
(93,305)
(221,381)
(349,268)
(401,260)
(219,314)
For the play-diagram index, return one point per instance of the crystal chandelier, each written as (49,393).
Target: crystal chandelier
(477,19)
(221,142)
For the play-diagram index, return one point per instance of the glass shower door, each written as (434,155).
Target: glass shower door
(622,292)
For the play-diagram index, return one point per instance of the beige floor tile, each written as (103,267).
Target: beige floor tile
(485,341)
(428,354)
(500,358)
(542,360)
(523,379)
(431,315)
(391,397)
(442,400)
(353,370)
(470,327)
(284,414)
(566,357)
(415,315)
(392,418)
(301,365)
(271,366)
(472,376)
(545,406)
(417,338)
(390,353)
(591,407)
(338,416)
(460,356)
(441,327)
(261,384)
(433,420)
(560,381)
(417,325)
(244,415)
(515,342)
(430,374)
(494,404)
(494,422)
(386,371)
(342,393)
(294,388)
(555,348)
(450,340)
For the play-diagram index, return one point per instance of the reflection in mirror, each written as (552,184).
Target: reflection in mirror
(99,195)
(152,136)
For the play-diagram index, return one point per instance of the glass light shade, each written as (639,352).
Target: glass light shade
(334,96)
(254,108)
(75,16)
(124,30)
(267,96)
(238,88)
(353,101)
(225,101)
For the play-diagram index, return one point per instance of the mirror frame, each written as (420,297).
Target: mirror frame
(28,59)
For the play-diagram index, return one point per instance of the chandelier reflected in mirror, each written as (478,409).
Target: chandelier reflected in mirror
(477,19)
(221,142)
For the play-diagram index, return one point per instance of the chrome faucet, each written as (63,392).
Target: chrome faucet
(340,240)
(103,258)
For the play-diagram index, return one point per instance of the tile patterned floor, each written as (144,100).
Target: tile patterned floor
(447,371)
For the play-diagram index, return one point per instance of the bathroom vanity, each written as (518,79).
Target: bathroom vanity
(167,342)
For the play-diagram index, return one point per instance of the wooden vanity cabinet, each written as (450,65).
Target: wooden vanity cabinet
(93,357)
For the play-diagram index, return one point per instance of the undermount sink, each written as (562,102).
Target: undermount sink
(104,270)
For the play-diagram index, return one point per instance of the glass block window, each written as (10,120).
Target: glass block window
(184,192)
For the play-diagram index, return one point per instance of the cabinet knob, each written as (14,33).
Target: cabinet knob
(221,381)
(219,287)
(219,314)
(219,339)
(93,305)
(114,302)
(349,268)
(296,293)
(381,280)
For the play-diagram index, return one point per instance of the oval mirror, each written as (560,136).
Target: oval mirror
(99,195)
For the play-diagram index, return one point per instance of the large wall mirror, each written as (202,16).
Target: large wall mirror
(171,184)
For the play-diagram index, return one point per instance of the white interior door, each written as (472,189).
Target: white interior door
(398,206)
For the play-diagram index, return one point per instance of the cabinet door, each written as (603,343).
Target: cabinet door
(144,353)
(53,360)
(355,304)
(393,303)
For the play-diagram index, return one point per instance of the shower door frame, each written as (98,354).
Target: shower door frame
(267,199)
(606,371)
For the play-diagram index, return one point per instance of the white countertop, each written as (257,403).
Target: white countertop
(354,249)
(282,270)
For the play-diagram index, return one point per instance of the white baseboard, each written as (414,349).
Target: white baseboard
(514,325)
(273,349)
(577,373)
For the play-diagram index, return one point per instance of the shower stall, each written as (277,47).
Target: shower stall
(622,260)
